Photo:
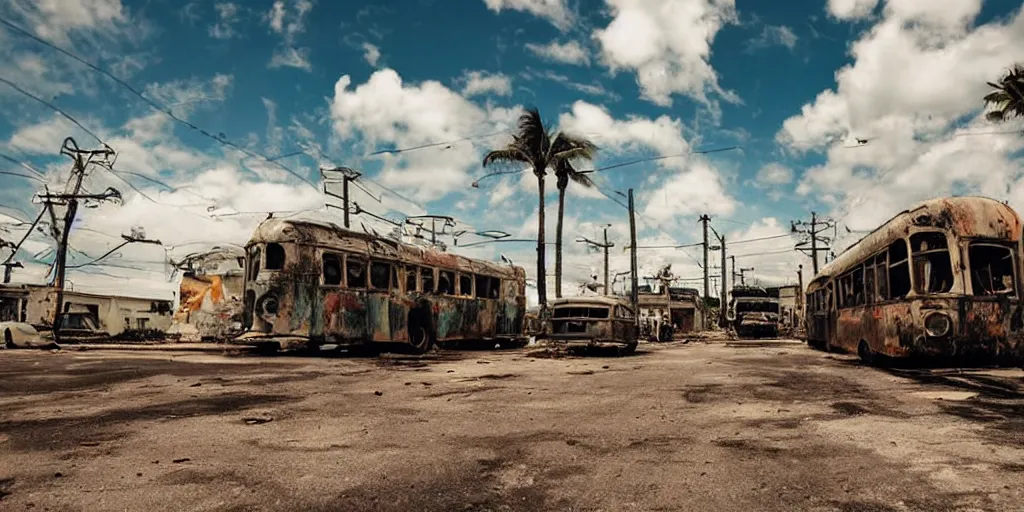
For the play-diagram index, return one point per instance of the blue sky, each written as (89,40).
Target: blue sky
(792,84)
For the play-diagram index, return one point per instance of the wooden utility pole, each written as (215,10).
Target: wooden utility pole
(800,291)
(606,245)
(721,303)
(813,229)
(347,175)
(81,160)
(704,220)
(632,255)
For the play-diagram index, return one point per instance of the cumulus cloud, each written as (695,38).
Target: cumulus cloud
(571,52)
(913,92)
(387,111)
(555,11)
(667,45)
(851,9)
(774,174)
(476,83)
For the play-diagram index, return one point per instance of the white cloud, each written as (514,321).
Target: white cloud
(291,57)
(227,18)
(913,92)
(187,95)
(571,52)
(481,82)
(593,88)
(387,111)
(371,54)
(772,35)
(667,43)
(58,20)
(663,134)
(774,174)
(696,190)
(288,19)
(851,9)
(772,256)
(555,11)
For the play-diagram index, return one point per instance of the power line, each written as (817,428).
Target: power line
(23,164)
(48,104)
(148,101)
(435,144)
(763,253)
(773,237)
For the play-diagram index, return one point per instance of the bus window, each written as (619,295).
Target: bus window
(882,276)
(494,287)
(991,269)
(857,290)
(899,270)
(411,279)
(332,269)
(465,285)
(427,279)
(254,263)
(380,274)
(446,282)
(275,257)
(869,282)
(394,277)
(482,290)
(355,272)
(933,272)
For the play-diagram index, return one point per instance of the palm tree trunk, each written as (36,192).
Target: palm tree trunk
(558,243)
(542,289)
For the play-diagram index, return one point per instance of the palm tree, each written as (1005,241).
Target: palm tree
(565,172)
(532,145)
(1008,96)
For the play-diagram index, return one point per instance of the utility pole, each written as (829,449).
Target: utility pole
(734,274)
(722,299)
(800,291)
(82,159)
(347,175)
(7,270)
(812,229)
(632,254)
(704,220)
(606,245)
(743,275)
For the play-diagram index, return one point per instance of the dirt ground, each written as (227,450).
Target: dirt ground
(724,426)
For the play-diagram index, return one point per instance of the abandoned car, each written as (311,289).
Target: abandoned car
(593,322)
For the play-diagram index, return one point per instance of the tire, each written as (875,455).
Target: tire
(8,339)
(419,338)
(865,353)
(627,350)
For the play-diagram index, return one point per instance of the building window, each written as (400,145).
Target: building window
(332,270)
(275,257)
(355,272)
(380,275)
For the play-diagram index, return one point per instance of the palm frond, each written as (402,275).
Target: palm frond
(996,116)
(581,179)
(508,155)
(999,96)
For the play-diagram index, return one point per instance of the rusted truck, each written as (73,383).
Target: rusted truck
(753,313)
(602,322)
(941,279)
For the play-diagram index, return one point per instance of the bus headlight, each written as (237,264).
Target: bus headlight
(937,325)
(268,305)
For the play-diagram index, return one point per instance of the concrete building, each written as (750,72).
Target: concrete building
(113,314)
(681,306)
(790,305)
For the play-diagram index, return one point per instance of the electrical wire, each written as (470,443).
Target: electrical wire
(763,253)
(435,144)
(28,232)
(27,177)
(151,103)
(52,106)
(23,164)
(773,237)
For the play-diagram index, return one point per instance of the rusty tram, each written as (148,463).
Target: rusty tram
(942,279)
(310,284)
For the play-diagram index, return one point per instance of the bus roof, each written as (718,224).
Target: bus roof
(963,216)
(331,236)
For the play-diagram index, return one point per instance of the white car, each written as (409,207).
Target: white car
(22,335)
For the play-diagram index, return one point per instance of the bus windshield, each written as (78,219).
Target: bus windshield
(992,269)
(933,272)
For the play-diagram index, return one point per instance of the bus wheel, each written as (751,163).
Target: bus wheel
(8,339)
(864,351)
(419,338)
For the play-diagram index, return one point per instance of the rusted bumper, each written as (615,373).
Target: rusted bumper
(589,342)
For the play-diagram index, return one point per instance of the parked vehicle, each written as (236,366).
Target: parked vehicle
(754,313)
(312,284)
(941,279)
(593,322)
(23,335)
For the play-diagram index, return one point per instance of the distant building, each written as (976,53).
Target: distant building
(680,306)
(790,309)
(112,314)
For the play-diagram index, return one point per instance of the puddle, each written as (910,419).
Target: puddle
(955,396)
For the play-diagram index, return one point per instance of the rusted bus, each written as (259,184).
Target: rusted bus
(593,322)
(942,280)
(316,283)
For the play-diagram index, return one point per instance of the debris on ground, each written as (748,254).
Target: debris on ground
(179,461)
(257,420)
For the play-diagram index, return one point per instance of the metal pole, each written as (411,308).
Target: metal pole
(721,304)
(800,292)
(704,220)
(632,254)
(814,241)
(606,260)
(344,195)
